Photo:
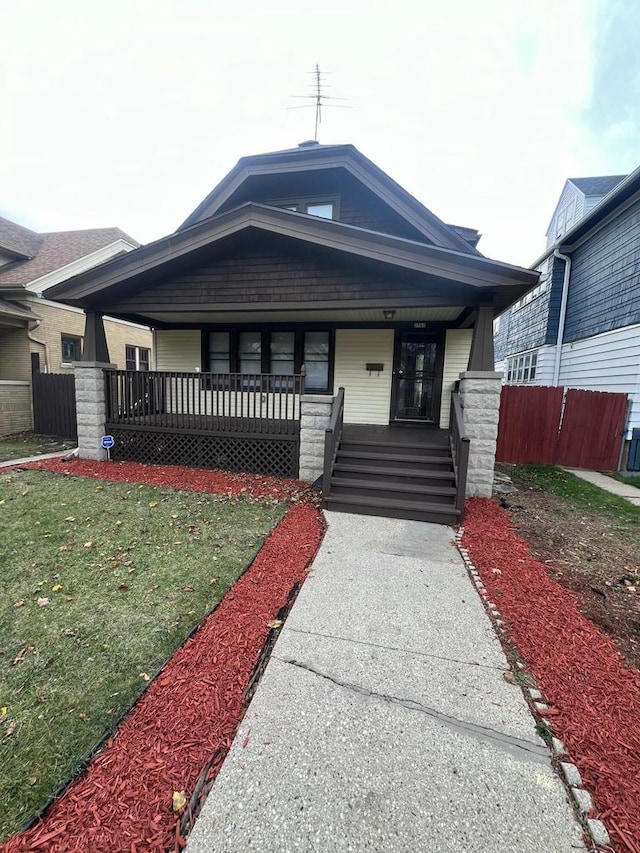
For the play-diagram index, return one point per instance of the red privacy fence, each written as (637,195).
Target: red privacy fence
(559,426)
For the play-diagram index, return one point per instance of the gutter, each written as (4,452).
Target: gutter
(563,313)
(42,344)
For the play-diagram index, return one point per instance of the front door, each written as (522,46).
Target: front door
(417,377)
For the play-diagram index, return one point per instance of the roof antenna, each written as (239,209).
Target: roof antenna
(318,96)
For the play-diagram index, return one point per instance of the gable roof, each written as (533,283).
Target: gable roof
(18,241)
(104,285)
(597,185)
(56,249)
(310,156)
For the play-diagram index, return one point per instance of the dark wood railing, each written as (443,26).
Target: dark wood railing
(332,437)
(459,449)
(204,402)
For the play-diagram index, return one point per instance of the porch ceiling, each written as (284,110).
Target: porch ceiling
(361,315)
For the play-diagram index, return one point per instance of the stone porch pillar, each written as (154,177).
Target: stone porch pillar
(315,414)
(480,397)
(91,407)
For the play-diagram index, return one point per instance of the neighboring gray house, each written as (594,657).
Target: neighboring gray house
(580,326)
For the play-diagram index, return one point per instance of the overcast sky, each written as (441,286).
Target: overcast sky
(128,112)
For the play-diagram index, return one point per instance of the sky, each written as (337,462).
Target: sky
(128,113)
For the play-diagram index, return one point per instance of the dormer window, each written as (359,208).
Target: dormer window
(324,208)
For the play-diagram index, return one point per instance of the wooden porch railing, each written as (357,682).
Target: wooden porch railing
(245,403)
(459,449)
(332,437)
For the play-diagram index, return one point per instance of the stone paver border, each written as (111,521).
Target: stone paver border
(568,772)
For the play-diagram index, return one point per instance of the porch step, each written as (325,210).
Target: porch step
(343,487)
(393,508)
(419,476)
(395,457)
(422,450)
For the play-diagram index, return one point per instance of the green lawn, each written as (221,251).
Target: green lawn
(29,444)
(578,492)
(99,584)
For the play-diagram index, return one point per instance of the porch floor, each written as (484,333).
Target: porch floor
(397,434)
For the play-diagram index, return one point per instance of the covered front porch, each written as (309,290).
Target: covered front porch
(274,330)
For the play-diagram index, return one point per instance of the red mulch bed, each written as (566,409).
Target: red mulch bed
(187,479)
(595,696)
(190,712)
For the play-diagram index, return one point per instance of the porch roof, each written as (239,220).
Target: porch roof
(441,277)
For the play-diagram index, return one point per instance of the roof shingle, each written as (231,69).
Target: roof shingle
(598,185)
(56,249)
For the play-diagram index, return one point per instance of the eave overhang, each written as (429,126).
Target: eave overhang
(473,275)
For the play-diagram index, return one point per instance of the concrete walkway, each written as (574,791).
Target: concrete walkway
(383,721)
(628,492)
(57,455)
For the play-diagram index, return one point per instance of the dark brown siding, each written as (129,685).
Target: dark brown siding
(356,204)
(271,275)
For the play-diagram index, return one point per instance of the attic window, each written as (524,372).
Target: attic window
(322,207)
(325,210)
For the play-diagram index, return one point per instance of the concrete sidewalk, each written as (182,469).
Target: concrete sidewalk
(383,721)
(57,455)
(628,492)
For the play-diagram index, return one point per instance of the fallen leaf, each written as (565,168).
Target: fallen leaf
(88,544)
(153,503)
(70,518)
(123,586)
(509,677)
(144,676)
(179,800)
(275,623)
(496,571)
(42,602)
(57,587)
(10,730)
(23,651)
(19,603)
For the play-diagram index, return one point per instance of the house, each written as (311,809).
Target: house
(40,335)
(580,326)
(312,319)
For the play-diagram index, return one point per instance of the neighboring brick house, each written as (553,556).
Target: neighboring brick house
(580,326)
(37,334)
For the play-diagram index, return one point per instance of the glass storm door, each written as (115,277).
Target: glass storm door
(416,378)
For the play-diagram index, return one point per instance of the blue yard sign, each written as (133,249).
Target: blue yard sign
(107,442)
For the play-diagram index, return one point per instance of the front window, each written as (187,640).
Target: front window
(279,351)
(71,348)
(250,352)
(316,361)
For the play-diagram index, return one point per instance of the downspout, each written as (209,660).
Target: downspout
(563,312)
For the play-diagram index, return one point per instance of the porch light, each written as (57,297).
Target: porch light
(389,313)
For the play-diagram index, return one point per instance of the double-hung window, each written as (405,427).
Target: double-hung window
(136,358)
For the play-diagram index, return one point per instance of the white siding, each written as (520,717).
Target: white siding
(367,397)
(607,362)
(180,349)
(545,365)
(456,359)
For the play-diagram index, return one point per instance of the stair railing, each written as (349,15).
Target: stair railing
(332,437)
(459,449)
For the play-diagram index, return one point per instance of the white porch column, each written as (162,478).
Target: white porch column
(480,397)
(91,407)
(315,414)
